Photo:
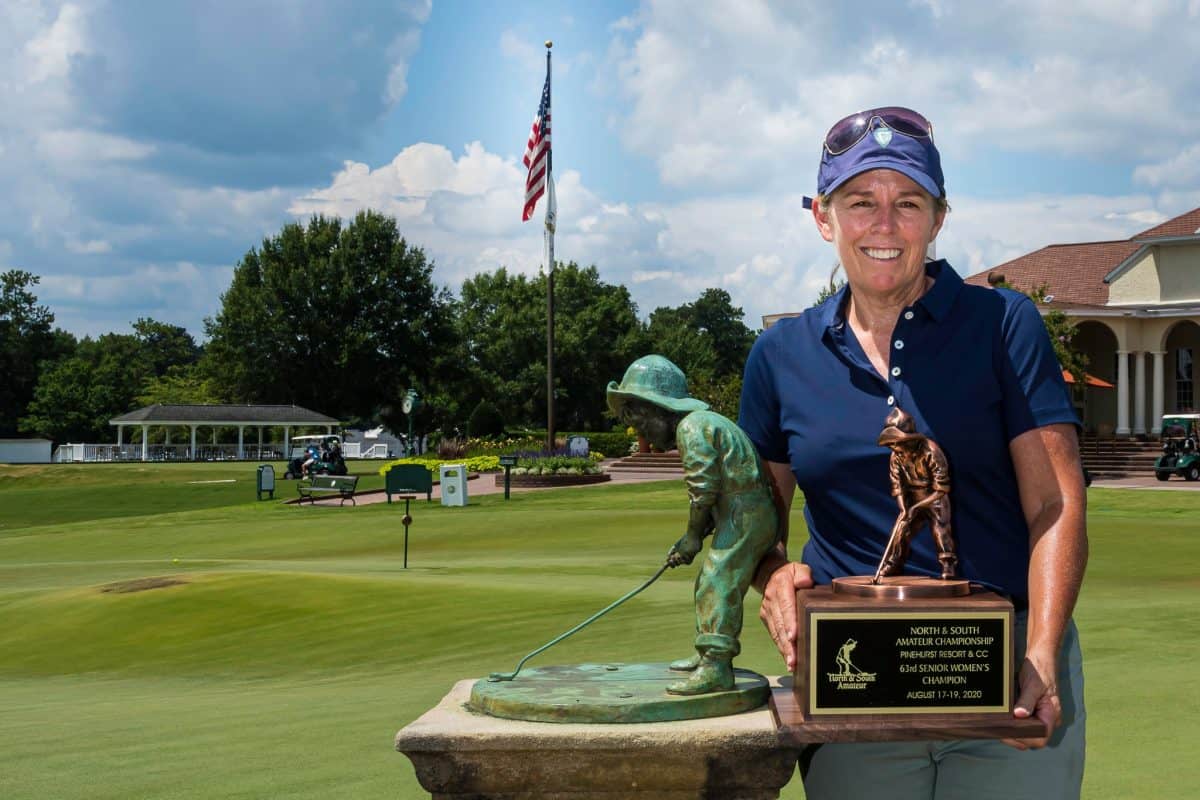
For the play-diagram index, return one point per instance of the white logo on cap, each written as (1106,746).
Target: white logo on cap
(883,135)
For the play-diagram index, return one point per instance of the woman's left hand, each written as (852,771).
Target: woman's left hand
(1038,697)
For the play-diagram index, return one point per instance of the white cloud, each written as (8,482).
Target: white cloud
(136,140)
(403,48)
(50,52)
(935,7)
(178,293)
(91,247)
(723,98)
(77,146)
(134,137)
(1178,171)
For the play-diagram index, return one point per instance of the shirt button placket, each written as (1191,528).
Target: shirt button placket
(896,370)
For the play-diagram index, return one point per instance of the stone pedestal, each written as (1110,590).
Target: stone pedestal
(460,755)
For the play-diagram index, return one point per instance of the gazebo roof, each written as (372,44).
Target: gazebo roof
(159,414)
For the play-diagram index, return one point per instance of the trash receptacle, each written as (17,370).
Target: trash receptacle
(454,484)
(266,481)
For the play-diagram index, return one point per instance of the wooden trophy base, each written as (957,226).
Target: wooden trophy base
(909,659)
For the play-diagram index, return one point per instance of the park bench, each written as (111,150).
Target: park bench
(408,479)
(328,486)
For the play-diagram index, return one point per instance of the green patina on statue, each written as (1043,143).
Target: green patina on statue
(731,500)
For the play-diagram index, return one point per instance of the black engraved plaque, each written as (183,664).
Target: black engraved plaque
(881,662)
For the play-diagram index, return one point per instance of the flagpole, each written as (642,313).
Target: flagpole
(551,213)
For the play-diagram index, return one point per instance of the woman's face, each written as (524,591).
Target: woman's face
(882,223)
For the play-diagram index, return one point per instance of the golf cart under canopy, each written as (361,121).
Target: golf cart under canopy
(318,455)
(1181,447)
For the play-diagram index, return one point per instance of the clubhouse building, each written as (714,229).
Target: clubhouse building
(1136,305)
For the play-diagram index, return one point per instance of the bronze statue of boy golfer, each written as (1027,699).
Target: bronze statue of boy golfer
(731,500)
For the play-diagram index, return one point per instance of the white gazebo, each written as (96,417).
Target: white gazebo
(194,417)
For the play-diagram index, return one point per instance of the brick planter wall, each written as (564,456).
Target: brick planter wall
(531,481)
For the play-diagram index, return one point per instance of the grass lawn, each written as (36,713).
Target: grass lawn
(293,644)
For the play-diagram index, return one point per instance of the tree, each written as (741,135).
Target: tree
(502,323)
(26,344)
(485,420)
(164,346)
(706,338)
(180,385)
(77,396)
(338,319)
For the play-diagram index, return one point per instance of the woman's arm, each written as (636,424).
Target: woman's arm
(777,577)
(1050,481)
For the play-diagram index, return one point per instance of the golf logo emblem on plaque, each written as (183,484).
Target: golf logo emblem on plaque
(892,656)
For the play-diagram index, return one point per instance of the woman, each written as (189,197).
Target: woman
(976,371)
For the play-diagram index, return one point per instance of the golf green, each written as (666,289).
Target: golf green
(164,635)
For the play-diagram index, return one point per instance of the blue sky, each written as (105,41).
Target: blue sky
(144,148)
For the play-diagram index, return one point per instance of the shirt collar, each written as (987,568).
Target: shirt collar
(947,283)
(937,301)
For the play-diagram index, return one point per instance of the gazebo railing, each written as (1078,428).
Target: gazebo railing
(93,453)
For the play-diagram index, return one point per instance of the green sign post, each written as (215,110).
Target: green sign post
(508,462)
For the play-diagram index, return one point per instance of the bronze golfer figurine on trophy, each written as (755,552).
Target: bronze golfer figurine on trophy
(891,656)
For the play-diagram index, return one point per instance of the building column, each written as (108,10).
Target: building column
(1157,401)
(1139,393)
(241,454)
(287,442)
(192,452)
(145,442)
(1122,393)
(120,434)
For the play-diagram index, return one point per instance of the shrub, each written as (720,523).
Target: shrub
(556,465)
(614,442)
(434,465)
(485,420)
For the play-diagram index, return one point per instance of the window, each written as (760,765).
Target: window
(1184,395)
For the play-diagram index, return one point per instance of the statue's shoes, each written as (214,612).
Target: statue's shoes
(686,664)
(710,676)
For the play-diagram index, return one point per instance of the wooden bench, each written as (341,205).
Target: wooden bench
(328,486)
(408,479)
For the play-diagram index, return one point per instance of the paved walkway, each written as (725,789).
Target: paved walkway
(1175,484)
(485,483)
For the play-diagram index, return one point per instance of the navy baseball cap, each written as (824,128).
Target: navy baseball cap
(882,146)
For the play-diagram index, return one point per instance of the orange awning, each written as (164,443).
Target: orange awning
(1088,380)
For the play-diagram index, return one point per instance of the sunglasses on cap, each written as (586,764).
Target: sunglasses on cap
(850,131)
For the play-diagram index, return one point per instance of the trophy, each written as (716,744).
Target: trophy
(892,657)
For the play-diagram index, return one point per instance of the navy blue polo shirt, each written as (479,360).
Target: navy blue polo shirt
(975,369)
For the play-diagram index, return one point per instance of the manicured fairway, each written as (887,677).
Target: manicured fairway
(293,644)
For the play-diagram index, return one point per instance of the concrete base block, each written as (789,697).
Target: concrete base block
(460,755)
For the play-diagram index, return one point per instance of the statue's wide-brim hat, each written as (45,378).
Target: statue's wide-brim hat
(653,379)
(893,435)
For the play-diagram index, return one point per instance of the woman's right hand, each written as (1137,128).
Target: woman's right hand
(778,610)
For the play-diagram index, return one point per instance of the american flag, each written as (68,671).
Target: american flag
(537,152)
